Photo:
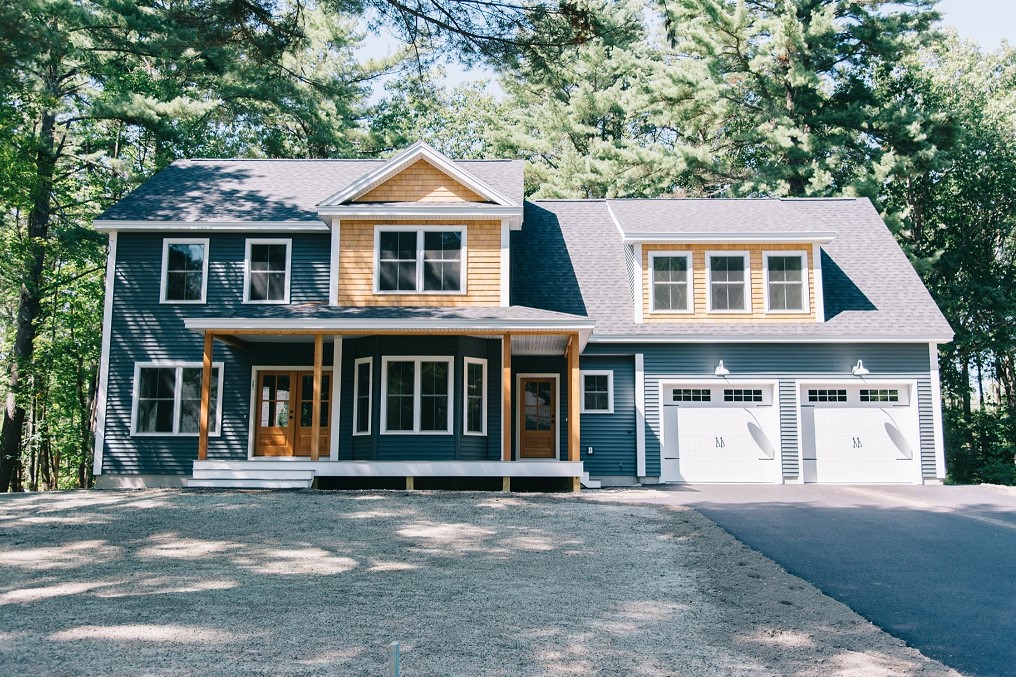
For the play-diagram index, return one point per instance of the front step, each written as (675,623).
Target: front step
(224,475)
(223,483)
(588,483)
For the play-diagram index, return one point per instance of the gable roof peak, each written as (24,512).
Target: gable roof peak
(419,150)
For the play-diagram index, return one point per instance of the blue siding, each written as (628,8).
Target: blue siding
(454,446)
(144,330)
(612,436)
(785,363)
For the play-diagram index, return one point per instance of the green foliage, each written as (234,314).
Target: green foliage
(980,446)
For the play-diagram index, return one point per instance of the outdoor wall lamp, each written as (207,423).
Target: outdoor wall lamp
(721,371)
(859,370)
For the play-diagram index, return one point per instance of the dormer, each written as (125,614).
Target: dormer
(692,262)
(424,230)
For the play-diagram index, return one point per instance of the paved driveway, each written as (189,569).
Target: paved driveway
(934,566)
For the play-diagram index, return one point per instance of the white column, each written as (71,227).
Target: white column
(640,415)
(333,440)
(107,329)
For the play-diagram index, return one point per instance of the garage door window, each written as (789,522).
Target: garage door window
(880,395)
(742,395)
(692,395)
(827,395)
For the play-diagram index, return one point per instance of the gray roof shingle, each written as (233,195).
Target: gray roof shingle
(569,257)
(268,190)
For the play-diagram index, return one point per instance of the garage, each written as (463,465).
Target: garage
(860,433)
(720,433)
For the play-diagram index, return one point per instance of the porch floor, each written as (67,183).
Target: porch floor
(300,473)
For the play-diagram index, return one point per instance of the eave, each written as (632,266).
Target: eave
(109,226)
(465,211)
(701,237)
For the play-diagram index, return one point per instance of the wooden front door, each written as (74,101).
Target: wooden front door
(284,410)
(538,407)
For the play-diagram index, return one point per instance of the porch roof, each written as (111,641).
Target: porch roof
(323,319)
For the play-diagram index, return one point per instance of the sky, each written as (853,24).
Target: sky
(986,22)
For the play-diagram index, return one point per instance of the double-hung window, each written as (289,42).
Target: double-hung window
(671,282)
(167,399)
(420,260)
(786,275)
(475,396)
(267,271)
(362,400)
(416,394)
(729,282)
(184,270)
(597,392)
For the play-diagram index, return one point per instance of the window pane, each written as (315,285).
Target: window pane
(442,261)
(258,287)
(184,272)
(362,397)
(190,400)
(442,245)
(155,416)
(441,276)
(433,396)
(400,396)
(474,397)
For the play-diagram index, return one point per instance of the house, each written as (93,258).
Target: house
(273,322)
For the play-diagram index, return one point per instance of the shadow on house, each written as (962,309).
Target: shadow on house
(543,274)
(840,294)
(208,191)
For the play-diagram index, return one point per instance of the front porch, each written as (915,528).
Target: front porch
(418,396)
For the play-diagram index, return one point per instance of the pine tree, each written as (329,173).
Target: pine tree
(777,97)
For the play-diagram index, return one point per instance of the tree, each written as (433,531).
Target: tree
(777,97)
(957,214)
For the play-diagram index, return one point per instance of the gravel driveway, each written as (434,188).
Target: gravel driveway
(170,582)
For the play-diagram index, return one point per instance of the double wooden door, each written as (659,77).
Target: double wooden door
(284,412)
(538,425)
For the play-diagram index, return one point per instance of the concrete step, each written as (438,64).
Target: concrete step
(223,483)
(590,483)
(252,474)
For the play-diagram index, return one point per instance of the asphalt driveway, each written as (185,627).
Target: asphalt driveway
(934,566)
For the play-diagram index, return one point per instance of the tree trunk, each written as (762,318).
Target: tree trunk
(29,304)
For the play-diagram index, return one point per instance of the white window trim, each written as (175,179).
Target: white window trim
(419,230)
(164,286)
(178,366)
(805,280)
(690,284)
(466,361)
(610,390)
(247,270)
(417,377)
(747,282)
(356,395)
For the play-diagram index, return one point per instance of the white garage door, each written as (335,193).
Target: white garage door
(720,433)
(860,434)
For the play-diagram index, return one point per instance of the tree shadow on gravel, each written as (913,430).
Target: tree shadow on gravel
(313,583)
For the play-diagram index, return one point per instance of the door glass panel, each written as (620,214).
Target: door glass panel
(274,401)
(538,406)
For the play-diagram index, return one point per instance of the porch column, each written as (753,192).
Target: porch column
(206,396)
(506,396)
(574,393)
(315,416)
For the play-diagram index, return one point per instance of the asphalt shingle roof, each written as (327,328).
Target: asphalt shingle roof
(569,257)
(316,311)
(269,190)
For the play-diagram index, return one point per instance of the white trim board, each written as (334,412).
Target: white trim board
(103,385)
(936,412)
(146,226)
(640,415)
(731,237)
